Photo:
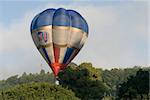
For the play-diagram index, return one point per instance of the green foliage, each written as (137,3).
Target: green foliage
(135,86)
(15,80)
(38,91)
(115,76)
(84,80)
(87,82)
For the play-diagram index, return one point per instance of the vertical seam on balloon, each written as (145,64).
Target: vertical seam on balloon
(66,55)
(51,48)
(52,36)
(69,36)
(70,28)
(71,56)
(46,55)
(76,52)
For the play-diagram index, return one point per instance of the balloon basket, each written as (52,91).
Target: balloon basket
(56,80)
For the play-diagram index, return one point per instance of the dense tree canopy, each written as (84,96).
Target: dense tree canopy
(84,80)
(136,87)
(37,91)
(116,76)
(87,82)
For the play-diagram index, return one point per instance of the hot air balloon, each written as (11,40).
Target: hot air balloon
(59,35)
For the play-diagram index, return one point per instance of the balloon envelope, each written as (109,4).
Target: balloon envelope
(59,35)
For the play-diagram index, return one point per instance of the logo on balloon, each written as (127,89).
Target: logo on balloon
(43,36)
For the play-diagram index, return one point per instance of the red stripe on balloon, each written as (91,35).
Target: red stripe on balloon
(56,54)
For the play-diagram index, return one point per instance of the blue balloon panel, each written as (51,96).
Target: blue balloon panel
(59,17)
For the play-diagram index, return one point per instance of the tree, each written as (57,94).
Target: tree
(12,81)
(38,91)
(135,86)
(42,72)
(115,76)
(27,78)
(84,80)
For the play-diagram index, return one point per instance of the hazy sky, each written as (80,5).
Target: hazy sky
(118,34)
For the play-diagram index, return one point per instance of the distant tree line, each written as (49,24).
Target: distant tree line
(27,78)
(83,81)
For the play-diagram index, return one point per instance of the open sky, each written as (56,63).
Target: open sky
(118,34)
